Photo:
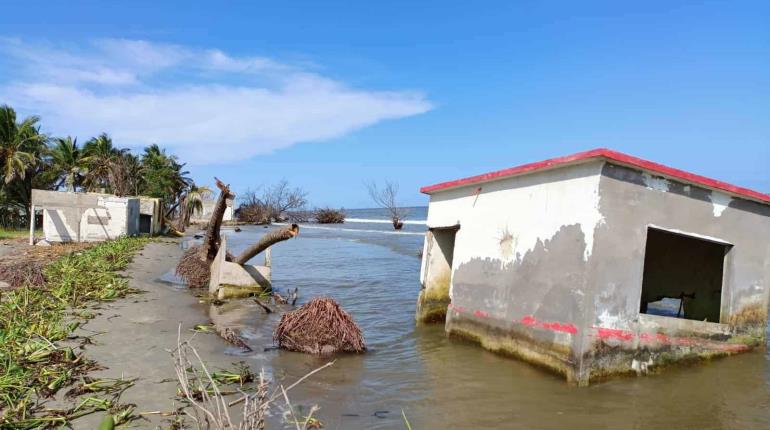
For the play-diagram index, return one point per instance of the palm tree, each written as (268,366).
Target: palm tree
(164,177)
(67,161)
(22,147)
(126,174)
(19,142)
(193,200)
(99,153)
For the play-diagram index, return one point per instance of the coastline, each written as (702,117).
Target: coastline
(132,336)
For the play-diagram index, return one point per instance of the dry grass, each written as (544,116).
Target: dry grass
(24,265)
(210,409)
(194,270)
(319,327)
(20,273)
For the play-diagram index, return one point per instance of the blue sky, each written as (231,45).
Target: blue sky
(329,95)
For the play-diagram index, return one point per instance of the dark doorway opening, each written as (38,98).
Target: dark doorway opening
(682,276)
(145,224)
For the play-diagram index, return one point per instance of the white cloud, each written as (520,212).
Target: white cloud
(202,104)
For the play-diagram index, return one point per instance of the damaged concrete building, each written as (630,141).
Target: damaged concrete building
(598,264)
(204,215)
(88,217)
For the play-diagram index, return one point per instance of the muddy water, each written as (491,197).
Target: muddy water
(442,383)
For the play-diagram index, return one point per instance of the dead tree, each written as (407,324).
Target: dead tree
(266,241)
(212,239)
(385,197)
(194,267)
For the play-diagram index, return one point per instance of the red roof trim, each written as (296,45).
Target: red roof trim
(610,155)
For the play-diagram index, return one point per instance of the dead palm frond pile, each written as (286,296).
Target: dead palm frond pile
(193,268)
(319,327)
(24,272)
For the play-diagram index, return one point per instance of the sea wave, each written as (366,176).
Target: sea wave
(358,230)
(384,221)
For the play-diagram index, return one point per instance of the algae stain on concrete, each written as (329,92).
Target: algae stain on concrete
(434,299)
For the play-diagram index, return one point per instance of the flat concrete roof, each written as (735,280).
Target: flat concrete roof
(602,154)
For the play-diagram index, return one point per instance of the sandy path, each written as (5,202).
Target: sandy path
(136,332)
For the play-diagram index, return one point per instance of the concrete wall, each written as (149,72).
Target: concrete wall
(435,275)
(152,207)
(86,216)
(620,339)
(520,262)
(230,280)
(548,267)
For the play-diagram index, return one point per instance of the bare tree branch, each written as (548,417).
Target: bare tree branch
(385,197)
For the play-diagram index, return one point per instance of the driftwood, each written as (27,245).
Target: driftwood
(266,241)
(232,337)
(267,308)
(319,327)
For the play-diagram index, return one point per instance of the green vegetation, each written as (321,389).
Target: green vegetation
(34,321)
(30,159)
(13,233)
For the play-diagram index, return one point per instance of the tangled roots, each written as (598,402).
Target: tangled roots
(194,270)
(319,327)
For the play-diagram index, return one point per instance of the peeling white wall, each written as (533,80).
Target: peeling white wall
(720,202)
(508,217)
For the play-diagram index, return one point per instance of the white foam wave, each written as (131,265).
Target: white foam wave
(384,221)
(358,230)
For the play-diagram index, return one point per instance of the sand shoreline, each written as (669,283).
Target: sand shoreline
(132,335)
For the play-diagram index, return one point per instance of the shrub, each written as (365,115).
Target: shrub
(253,213)
(299,216)
(330,216)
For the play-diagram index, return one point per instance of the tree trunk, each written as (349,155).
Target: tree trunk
(266,241)
(180,223)
(171,210)
(212,239)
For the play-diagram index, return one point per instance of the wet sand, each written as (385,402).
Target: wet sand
(132,336)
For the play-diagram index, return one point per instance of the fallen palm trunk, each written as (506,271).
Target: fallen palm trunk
(194,266)
(319,327)
(267,241)
(212,238)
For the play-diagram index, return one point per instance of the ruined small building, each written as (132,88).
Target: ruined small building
(90,217)
(598,264)
(204,215)
(150,215)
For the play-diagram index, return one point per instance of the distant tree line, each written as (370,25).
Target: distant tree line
(31,159)
(282,203)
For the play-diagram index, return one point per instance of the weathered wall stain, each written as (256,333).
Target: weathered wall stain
(566,294)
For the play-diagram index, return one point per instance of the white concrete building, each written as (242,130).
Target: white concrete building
(84,217)
(598,263)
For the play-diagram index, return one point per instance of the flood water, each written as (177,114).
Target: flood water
(441,383)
